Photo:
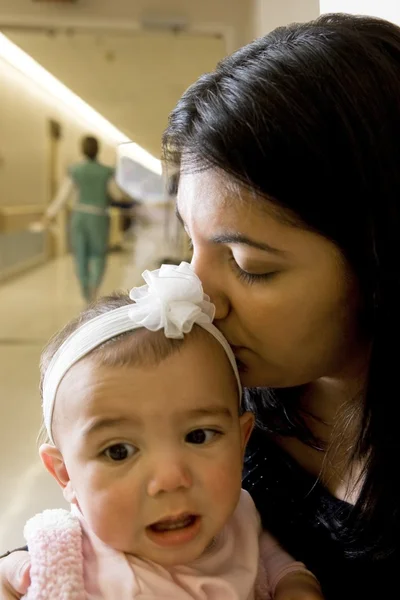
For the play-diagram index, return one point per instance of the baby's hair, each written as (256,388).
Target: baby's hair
(139,347)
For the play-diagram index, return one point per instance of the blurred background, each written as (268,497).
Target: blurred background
(112,69)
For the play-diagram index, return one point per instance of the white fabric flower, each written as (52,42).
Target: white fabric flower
(172,300)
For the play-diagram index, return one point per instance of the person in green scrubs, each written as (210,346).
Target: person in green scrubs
(90,221)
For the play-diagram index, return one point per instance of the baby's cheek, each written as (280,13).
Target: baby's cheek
(223,480)
(108,505)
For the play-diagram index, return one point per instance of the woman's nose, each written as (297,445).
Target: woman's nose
(212,284)
(169,474)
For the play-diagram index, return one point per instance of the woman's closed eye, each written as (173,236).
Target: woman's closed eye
(202,436)
(120,452)
(248,276)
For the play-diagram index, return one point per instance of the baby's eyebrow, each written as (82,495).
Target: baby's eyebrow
(100,424)
(209,411)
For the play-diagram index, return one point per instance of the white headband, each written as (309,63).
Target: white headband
(173,300)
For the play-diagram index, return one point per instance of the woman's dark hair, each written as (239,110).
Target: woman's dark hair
(90,147)
(309,117)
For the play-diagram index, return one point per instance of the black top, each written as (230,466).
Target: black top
(304,517)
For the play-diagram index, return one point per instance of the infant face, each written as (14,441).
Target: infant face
(152,455)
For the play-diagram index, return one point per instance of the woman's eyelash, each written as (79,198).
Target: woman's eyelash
(244,276)
(250,277)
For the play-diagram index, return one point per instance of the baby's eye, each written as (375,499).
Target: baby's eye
(201,436)
(120,452)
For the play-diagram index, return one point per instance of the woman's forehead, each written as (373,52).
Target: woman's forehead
(210,192)
(209,195)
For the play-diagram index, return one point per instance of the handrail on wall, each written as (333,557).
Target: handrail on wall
(18,217)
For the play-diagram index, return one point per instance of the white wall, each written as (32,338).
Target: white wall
(385,9)
(269,14)
(24,139)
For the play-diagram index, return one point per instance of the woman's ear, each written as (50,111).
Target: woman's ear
(246,427)
(53,461)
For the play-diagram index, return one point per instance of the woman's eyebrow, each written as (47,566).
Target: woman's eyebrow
(237,238)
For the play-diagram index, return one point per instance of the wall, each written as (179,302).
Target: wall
(97,42)
(207,14)
(385,9)
(266,15)
(25,163)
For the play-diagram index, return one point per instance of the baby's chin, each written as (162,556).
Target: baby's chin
(169,559)
(172,557)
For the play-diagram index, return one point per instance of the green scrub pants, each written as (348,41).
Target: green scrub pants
(89,241)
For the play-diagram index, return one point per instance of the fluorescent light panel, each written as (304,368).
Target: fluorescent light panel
(24,63)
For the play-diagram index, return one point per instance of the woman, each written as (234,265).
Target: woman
(90,218)
(289,184)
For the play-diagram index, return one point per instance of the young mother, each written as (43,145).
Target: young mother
(287,166)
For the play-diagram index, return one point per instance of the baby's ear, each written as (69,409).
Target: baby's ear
(54,463)
(246,427)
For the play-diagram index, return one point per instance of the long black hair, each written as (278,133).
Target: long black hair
(309,116)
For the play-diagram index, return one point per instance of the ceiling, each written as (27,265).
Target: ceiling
(131,74)
(133,80)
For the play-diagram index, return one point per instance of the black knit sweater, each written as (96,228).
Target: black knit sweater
(308,521)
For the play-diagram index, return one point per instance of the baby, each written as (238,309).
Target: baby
(141,403)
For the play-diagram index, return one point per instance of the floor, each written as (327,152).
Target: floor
(32,308)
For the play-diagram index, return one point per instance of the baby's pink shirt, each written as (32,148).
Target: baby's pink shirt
(227,571)
(68,562)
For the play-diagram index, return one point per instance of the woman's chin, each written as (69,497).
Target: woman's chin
(251,376)
(256,373)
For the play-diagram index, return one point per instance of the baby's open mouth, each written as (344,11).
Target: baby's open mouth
(174,531)
(172,523)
